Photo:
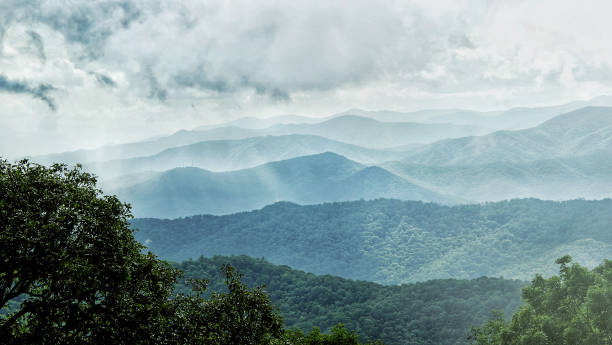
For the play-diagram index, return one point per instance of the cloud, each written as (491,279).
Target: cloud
(40,92)
(123,63)
(104,80)
(37,45)
(168,49)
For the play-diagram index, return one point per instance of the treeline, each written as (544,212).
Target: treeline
(394,242)
(433,312)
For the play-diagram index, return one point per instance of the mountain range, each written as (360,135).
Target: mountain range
(349,129)
(227,155)
(566,157)
(577,133)
(309,179)
(392,242)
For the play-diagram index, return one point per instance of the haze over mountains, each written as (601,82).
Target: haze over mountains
(348,129)
(225,155)
(565,157)
(354,126)
(310,179)
(578,133)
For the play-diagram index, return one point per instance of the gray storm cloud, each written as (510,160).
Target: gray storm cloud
(40,92)
(273,48)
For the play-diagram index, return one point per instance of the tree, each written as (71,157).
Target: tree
(572,308)
(72,273)
(240,316)
(339,336)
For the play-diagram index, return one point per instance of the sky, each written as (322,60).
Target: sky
(82,73)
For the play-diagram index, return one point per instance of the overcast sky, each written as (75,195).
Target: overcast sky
(80,73)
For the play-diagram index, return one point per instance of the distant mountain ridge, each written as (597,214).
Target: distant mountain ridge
(566,157)
(228,155)
(308,179)
(349,129)
(577,133)
(588,176)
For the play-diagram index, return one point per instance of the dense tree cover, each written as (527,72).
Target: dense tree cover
(392,241)
(72,273)
(433,312)
(572,308)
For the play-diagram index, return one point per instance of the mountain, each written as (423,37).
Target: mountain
(588,176)
(510,119)
(423,116)
(225,155)
(578,133)
(308,179)
(348,129)
(146,148)
(260,123)
(367,132)
(434,312)
(390,241)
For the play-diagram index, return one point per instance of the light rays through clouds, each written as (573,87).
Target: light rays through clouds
(77,73)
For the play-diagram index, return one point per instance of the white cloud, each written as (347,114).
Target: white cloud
(126,69)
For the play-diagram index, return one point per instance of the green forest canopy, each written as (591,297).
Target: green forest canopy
(432,312)
(574,307)
(394,242)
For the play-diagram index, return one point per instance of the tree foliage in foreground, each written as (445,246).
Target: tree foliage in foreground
(72,273)
(572,308)
(432,312)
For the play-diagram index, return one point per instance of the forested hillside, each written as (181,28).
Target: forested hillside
(392,241)
(435,312)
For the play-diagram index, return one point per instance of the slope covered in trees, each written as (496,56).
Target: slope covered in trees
(433,312)
(392,241)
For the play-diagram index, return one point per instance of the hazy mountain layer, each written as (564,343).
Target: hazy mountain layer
(354,130)
(225,155)
(577,133)
(309,179)
(147,148)
(392,241)
(588,176)
(260,123)
(517,118)
(371,133)
(434,312)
